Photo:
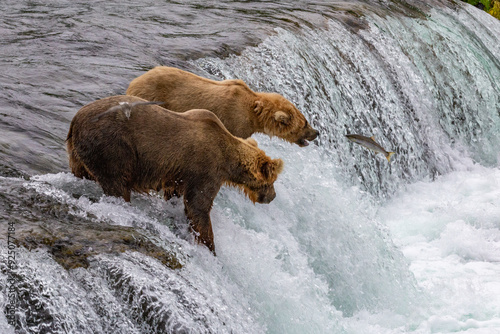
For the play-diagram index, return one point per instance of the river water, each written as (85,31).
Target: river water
(351,244)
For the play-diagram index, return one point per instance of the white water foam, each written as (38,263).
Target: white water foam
(450,231)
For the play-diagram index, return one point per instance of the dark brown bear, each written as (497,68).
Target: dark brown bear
(240,109)
(146,147)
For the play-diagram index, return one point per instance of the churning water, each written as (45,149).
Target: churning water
(351,244)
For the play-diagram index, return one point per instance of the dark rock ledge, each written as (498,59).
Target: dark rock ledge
(72,250)
(40,221)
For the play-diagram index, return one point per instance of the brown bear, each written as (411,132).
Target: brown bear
(240,109)
(152,148)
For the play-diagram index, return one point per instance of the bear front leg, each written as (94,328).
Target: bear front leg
(203,228)
(198,212)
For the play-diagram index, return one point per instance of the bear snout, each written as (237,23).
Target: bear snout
(266,197)
(312,134)
(309,134)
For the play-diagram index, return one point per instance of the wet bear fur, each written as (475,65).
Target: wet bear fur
(190,154)
(240,109)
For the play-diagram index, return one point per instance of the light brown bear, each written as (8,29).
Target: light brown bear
(240,109)
(146,147)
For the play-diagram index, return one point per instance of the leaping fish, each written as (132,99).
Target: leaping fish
(371,144)
(126,108)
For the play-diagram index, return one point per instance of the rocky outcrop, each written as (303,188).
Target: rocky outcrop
(73,248)
(39,221)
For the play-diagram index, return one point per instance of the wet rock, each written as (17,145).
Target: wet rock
(72,249)
(40,221)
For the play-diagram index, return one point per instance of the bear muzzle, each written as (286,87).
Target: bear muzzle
(266,198)
(309,135)
(264,195)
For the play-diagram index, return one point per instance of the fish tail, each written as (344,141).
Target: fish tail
(388,156)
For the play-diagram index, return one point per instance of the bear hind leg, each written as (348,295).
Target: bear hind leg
(77,166)
(116,189)
(169,193)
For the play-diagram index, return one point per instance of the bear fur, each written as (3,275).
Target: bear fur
(240,109)
(191,154)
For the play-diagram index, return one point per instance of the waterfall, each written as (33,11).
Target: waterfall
(351,243)
(427,89)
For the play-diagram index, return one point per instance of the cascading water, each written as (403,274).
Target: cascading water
(351,244)
(426,88)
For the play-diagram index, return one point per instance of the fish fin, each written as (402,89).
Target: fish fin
(388,156)
(373,139)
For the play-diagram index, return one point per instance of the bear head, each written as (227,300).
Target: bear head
(279,117)
(256,173)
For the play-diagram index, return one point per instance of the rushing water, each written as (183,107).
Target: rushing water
(351,244)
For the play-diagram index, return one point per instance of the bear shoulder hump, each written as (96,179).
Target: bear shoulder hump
(236,82)
(202,114)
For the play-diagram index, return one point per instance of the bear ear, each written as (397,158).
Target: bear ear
(258,107)
(271,169)
(278,164)
(252,142)
(282,117)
